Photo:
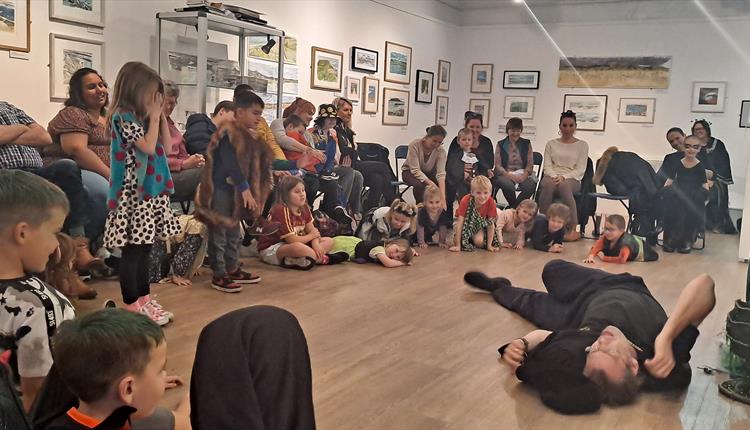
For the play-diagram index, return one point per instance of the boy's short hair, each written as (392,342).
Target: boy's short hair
(481,183)
(294,121)
(617,221)
(528,204)
(246,99)
(402,243)
(514,124)
(94,351)
(464,132)
(26,197)
(241,88)
(227,105)
(558,210)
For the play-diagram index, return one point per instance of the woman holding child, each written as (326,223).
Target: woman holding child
(425,163)
(468,159)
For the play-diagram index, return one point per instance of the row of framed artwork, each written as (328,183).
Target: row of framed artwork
(482,77)
(15,19)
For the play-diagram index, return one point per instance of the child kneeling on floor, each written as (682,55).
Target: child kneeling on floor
(389,222)
(297,244)
(393,253)
(476,212)
(548,232)
(512,223)
(617,246)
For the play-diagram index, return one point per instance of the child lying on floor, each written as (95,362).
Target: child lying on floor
(392,253)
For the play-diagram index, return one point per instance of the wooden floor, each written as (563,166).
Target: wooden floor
(414,348)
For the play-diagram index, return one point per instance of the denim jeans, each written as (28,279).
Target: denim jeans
(223,243)
(97,188)
(67,175)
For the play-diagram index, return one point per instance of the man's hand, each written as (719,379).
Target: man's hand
(515,354)
(663,362)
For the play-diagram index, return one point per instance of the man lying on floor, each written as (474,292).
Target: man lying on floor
(603,336)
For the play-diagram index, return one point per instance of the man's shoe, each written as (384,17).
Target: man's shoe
(225,285)
(483,282)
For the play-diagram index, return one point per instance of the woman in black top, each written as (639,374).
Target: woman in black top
(716,158)
(481,147)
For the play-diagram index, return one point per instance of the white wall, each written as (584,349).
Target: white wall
(699,53)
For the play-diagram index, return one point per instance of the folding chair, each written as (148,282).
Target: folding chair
(400,154)
(612,197)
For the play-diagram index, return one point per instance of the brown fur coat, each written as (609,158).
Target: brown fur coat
(254,158)
(603,164)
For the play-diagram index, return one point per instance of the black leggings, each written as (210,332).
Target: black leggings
(134,281)
(377,176)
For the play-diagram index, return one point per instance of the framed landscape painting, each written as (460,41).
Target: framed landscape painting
(482,107)
(591,111)
(441,110)
(424,90)
(395,107)
(481,78)
(68,54)
(397,63)
(364,60)
(15,23)
(326,69)
(639,111)
(353,89)
(519,107)
(525,80)
(615,72)
(86,12)
(370,94)
(444,75)
(709,96)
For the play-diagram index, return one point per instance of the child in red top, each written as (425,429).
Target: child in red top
(476,219)
(297,244)
(295,128)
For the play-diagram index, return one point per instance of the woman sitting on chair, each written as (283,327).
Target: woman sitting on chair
(514,165)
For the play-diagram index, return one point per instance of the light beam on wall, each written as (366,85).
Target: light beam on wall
(723,32)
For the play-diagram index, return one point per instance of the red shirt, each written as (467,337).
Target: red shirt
(488,210)
(179,153)
(289,224)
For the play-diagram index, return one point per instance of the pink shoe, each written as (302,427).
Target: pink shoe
(133,307)
(154,314)
(158,307)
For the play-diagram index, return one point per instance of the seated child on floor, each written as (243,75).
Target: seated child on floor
(548,231)
(394,253)
(432,219)
(513,223)
(297,244)
(617,246)
(477,213)
(386,223)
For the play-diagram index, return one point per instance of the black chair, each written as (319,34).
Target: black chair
(585,203)
(400,154)
(185,205)
(612,197)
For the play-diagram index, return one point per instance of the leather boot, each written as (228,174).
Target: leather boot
(84,260)
(79,289)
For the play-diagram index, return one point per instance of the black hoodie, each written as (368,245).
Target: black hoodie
(198,133)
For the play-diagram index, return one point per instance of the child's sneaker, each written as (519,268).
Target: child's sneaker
(225,284)
(337,257)
(298,263)
(241,277)
(158,307)
(341,215)
(154,314)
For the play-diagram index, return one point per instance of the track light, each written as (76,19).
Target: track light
(269,45)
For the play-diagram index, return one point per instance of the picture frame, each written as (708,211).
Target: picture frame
(521,79)
(636,110)
(424,87)
(444,75)
(364,60)
(85,12)
(591,110)
(353,89)
(326,69)
(370,94)
(441,110)
(68,54)
(395,107)
(708,96)
(15,28)
(481,106)
(481,78)
(397,68)
(745,114)
(519,107)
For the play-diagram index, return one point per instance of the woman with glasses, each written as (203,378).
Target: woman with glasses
(481,147)
(716,158)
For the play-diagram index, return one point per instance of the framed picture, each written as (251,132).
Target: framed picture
(591,111)
(482,107)
(521,79)
(68,54)
(519,107)
(86,12)
(364,60)
(708,96)
(15,24)
(370,94)
(745,114)
(640,111)
(444,75)
(424,90)
(353,89)
(397,63)
(441,110)
(395,107)
(615,72)
(481,78)
(326,69)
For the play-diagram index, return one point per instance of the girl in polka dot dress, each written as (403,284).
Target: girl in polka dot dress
(140,183)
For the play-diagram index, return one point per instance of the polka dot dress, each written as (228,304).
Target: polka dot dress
(132,220)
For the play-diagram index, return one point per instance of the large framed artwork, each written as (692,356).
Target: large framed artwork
(395,107)
(481,107)
(397,63)
(15,25)
(615,72)
(326,69)
(708,96)
(639,111)
(370,94)
(353,89)
(481,78)
(441,110)
(521,79)
(68,54)
(424,90)
(444,75)
(86,12)
(519,107)
(591,110)
(364,60)
(745,114)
